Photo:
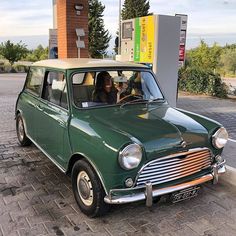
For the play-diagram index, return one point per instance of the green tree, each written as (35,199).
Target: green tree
(40,53)
(99,37)
(228,61)
(13,52)
(135,8)
(205,57)
(229,46)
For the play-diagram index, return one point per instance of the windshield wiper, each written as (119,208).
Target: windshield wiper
(133,101)
(156,100)
(143,100)
(162,100)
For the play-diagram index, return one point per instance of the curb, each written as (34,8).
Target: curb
(229,176)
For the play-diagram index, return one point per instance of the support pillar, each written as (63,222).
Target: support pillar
(71,16)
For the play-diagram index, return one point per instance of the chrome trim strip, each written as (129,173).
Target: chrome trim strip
(167,175)
(170,179)
(171,156)
(37,145)
(189,152)
(176,160)
(156,192)
(160,171)
(47,155)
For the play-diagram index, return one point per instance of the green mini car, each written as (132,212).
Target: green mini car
(108,125)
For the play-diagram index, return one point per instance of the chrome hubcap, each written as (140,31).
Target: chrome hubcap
(85,188)
(21,131)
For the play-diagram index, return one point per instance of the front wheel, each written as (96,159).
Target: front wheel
(20,130)
(88,190)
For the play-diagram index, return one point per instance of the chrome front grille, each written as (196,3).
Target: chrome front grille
(174,167)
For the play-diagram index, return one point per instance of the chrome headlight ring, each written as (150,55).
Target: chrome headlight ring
(130,156)
(220,138)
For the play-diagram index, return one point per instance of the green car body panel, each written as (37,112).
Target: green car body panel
(98,134)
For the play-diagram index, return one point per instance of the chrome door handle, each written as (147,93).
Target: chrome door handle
(39,107)
(61,122)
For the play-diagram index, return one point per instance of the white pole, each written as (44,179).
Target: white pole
(54,3)
(119,47)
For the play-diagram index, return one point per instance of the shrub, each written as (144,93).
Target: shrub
(21,68)
(196,80)
(1,66)
(6,68)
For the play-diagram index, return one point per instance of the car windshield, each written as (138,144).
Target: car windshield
(116,87)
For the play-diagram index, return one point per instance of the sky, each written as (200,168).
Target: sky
(211,20)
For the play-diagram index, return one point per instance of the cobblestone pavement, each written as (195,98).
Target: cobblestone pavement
(36,198)
(224,111)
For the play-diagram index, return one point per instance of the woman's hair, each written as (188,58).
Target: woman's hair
(101,79)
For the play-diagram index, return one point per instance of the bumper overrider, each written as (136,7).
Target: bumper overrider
(149,191)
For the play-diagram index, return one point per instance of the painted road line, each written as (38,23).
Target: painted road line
(232,140)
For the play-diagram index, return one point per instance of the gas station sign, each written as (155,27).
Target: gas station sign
(144,39)
(183,34)
(155,40)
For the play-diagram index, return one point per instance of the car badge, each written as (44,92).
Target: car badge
(183,144)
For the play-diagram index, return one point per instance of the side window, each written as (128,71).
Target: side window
(34,80)
(78,78)
(83,87)
(55,90)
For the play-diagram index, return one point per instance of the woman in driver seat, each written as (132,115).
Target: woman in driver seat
(105,90)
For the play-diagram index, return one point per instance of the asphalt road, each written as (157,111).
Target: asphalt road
(11,84)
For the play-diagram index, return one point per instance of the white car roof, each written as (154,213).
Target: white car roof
(84,63)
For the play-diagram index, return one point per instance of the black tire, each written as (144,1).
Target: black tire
(20,131)
(94,206)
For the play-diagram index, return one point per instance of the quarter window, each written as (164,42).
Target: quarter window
(35,80)
(55,90)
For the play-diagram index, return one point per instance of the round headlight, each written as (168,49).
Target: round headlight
(220,138)
(130,156)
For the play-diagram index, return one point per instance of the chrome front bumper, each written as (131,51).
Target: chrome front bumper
(149,191)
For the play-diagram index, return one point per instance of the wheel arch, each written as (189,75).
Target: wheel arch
(80,156)
(18,111)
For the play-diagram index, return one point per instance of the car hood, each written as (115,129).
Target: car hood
(159,128)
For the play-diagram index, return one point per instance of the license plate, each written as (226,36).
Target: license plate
(184,194)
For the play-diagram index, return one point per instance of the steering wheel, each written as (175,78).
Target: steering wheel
(128,96)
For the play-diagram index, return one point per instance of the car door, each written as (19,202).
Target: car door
(52,121)
(29,104)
